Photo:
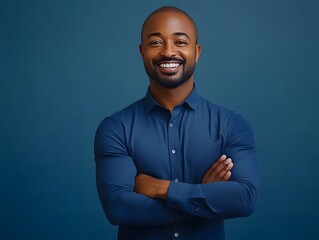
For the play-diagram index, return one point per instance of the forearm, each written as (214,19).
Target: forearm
(234,198)
(213,200)
(124,206)
(157,188)
(215,197)
(151,187)
(135,209)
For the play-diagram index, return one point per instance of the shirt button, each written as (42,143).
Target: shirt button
(176,235)
(197,209)
(170,125)
(176,180)
(173,151)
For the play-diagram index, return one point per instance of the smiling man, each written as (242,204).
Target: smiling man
(174,165)
(162,38)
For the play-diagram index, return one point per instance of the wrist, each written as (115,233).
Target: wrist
(163,189)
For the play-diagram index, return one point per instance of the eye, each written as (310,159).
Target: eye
(181,43)
(155,43)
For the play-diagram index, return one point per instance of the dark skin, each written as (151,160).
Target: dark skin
(170,34)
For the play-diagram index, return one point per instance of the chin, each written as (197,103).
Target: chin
(171,83)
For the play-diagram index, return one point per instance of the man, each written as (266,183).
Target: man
(173,165)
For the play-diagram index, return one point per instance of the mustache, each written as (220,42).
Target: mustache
(165,59)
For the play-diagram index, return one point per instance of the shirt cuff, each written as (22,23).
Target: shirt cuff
(188,198)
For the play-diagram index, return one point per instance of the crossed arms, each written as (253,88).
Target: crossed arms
(229,188)
(157,188)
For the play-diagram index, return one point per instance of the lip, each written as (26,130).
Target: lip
(168,67)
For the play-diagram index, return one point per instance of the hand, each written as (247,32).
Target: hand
(151,186)
(219,171)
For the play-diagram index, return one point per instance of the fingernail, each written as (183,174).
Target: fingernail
(228,160)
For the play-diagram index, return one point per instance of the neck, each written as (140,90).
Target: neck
(169,98)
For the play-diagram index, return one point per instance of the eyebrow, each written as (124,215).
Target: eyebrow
(156,34)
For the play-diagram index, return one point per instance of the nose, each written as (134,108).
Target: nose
(168,50)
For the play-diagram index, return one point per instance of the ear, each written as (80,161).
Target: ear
(198,49)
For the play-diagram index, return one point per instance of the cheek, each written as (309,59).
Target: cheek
(191,59)
(190,55)
(149,55)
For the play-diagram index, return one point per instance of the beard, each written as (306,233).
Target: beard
(170,81)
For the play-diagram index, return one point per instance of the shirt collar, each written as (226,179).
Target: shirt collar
(192,100)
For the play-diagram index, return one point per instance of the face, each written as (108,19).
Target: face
(169,49)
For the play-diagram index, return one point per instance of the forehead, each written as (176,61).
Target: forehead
(168,23)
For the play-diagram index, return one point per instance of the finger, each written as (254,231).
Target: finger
(219,172)
(212,167)
(227,176)
(220,169)
(221,175)
(213,171)
(221,159)
(218,176)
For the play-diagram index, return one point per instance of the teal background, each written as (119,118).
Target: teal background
(65,65)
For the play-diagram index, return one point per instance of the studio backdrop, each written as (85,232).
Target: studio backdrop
(65,65)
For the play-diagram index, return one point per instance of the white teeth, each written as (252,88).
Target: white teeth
(169,65)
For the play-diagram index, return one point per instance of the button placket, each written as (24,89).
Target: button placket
(175,159)
(174,148)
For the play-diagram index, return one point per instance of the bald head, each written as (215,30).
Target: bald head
(169,48)
(168,9)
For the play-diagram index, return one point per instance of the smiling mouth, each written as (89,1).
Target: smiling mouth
(169,65)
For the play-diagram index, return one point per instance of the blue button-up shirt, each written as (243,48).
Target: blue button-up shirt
(178,146)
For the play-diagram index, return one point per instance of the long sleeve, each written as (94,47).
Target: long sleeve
(115,174)
(235,198)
